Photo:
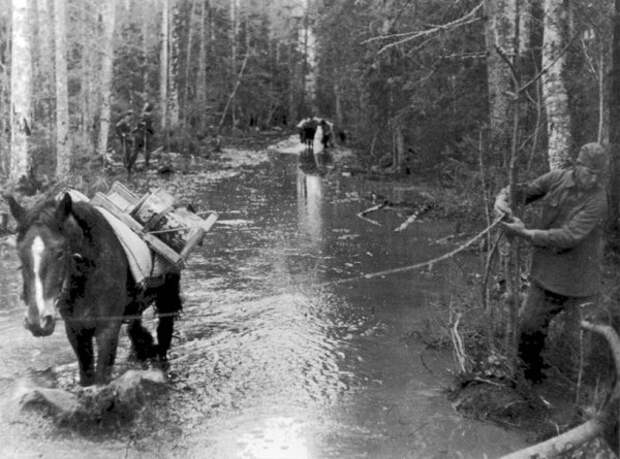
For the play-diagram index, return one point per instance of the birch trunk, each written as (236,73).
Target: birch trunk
(188,63)
(163,69)
(45,61)
(555,96)
(21,90)
(63,146)
(233,54)
(109,15)
(338,102)
(614,120)
(500,33)
(4,105)
(201,74)
(173,90)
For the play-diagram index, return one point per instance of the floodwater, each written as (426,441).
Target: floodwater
(275,356)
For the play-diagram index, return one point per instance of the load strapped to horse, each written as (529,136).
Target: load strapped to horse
(102,262)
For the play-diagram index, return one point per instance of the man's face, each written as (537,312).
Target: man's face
(586,177)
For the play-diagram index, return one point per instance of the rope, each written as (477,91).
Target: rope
(424,264)
(383,273)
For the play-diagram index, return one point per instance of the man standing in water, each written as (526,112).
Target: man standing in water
(567,246)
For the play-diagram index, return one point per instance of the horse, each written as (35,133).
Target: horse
(73,263)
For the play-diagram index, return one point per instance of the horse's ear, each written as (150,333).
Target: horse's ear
(17,210)
(64,208)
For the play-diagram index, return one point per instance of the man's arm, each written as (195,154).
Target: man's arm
(568,235)
(525,193)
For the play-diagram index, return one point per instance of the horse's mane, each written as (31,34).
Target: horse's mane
(44,213)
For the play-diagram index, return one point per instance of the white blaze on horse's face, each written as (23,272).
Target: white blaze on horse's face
(45,306)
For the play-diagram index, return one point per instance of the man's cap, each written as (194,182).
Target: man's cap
(593,156)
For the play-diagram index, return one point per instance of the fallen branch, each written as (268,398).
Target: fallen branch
(457,344)
(369,220)
(413,217)
(374,208)
(600,425)
(562,443)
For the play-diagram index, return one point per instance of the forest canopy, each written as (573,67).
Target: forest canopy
(419,81)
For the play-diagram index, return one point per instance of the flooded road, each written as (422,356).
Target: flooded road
(274,356)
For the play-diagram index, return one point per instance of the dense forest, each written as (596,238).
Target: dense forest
(422,81)
(487,92)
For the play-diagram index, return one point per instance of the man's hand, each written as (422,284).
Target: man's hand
(515,227)
(501,208)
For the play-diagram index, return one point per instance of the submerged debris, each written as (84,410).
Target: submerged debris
(120,399)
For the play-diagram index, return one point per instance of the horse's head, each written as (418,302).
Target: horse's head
(43,246)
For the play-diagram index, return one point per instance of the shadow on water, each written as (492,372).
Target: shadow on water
(272,359)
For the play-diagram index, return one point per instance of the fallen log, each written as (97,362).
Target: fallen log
(604,424)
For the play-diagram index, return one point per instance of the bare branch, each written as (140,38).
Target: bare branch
(469,18)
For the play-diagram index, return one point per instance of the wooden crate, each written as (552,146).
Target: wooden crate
(170,231)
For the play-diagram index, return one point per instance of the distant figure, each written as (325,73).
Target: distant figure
(123,128)
(327,138)
(143,133)
(307,130)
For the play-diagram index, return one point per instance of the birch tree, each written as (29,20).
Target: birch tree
(500,38)
(63,145)
(21,90)
(555,95)
(44,73)
(5,83)
(614,120)
(108,14)
(163,69)
(173,69)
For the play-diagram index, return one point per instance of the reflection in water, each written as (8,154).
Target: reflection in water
(309,200)
(278,437)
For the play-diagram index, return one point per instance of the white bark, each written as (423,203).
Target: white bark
(46,56)
(555,95)
(173,68)
(163,63)
(21,90)
(63,144)
(500,38)
(108,13)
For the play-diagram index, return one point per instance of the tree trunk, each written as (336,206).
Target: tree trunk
(500,37)
(21,91)
(188,64)
(5,103)
(45,61)
(201,74)
(555,95)
(108,14)
(233,54)
(338,102)
(173,69)
(63,146)
(398,158)
(614,120)
(163,66)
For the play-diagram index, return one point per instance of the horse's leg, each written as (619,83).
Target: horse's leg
(107,342)
(81,341)
(168,304)
(141,340)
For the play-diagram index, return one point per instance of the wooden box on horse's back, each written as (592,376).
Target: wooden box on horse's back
(169,229)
